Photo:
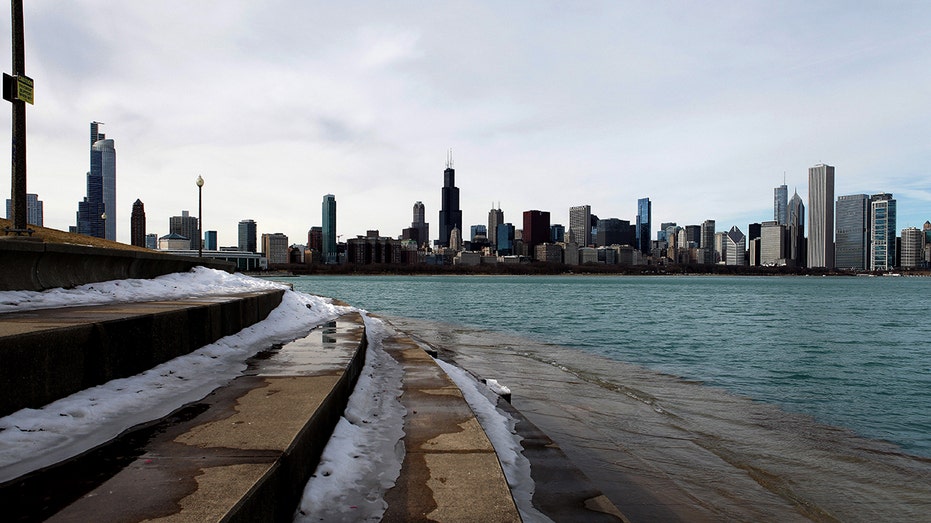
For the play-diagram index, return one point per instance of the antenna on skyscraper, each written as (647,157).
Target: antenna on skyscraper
(449,159)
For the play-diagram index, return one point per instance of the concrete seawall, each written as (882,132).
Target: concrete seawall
(46,355)
(37,266)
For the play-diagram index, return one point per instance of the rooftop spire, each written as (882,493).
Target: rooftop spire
(449,159)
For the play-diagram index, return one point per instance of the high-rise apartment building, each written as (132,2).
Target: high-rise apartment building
(137,224)
(92,212)
(34,213)
(329,253)
(882,232)
(821,216)
(495,218)
(275,248)
(913,248)
(315,239)
(580,218)
(644,217)
(852,238)
(450,214)
(103,157)
(735,247)
(419,222)
(247,236)
(780,203)
(185,225)
(536,229)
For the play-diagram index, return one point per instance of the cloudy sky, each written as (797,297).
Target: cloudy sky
(702,106)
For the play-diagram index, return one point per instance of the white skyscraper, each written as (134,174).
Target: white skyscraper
(580,224)
(821,216)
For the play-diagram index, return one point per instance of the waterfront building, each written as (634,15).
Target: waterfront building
(796,244)
(536,229)
(34,212)
(549,253)
(505,239)
(137,224)
(450,214)
(186,226)
(707,242)
(588,255)
(419,222)
(913,248)
(328,253)
(644,217)
(580,224)
(210,240)
(151,241)
(735,246)
(821,216)
(495,218)
(315,239)
(852,238)
(780,204)
(772,243)
(557,233)
(882,232)
(275,248)
(247,236)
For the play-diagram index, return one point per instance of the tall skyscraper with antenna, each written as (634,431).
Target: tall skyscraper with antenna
(780,201)
(450,214)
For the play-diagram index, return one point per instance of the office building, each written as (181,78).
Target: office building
(882,232)
(329,253)
(455,239)
(780,204)
(34,212)
(557,233)
(852,236)
(137,224)
(796,243)
(151,241)
(693,236)
(315,239)
(103,158)
(275,248)
(707,242)
(613,231)
(536,229)
(772,243)
(505,239)
(210,241)
(495,218)
(477,232)
(420,223)
(450,214)
(247,236)
(185,226)
(735,247)
(821,216)
(580,224)
(644,217)
(913,248)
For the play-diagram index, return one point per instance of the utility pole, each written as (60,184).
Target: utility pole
(18,89)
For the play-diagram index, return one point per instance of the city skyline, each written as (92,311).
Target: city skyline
(702,109)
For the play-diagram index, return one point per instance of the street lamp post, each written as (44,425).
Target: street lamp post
(200,217)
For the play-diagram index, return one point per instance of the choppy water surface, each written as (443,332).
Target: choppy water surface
(748,398)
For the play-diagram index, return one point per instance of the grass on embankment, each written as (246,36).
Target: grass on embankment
(56,236)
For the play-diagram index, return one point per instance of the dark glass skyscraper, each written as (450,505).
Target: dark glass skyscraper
(420,223)
(137,224)
(90,216)
(247,236)
(536,229)
(329,253)
(644,215)
(852,237)
(450,214)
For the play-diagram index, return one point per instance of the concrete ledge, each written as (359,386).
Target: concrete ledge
(48,354)
(36,266)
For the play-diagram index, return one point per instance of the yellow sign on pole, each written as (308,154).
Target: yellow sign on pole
(25,89)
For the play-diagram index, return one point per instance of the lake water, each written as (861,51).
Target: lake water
(742,398)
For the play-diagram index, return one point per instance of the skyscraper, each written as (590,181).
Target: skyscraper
(495,218)
(536,229)
(796,245)
(247,236)
(103,158)
(329,253)
(852,240)
(505,239)
(137,224)
(210,240)
(419,223)
(450,214)
(736,247)
(772,242)
(315,239)
(580,218)
(91,211)
(34,213)
(644,216)
(185,225)
(707,241)
(821,216)
(882,232)
(275,247)
(780,201)
(913,248)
